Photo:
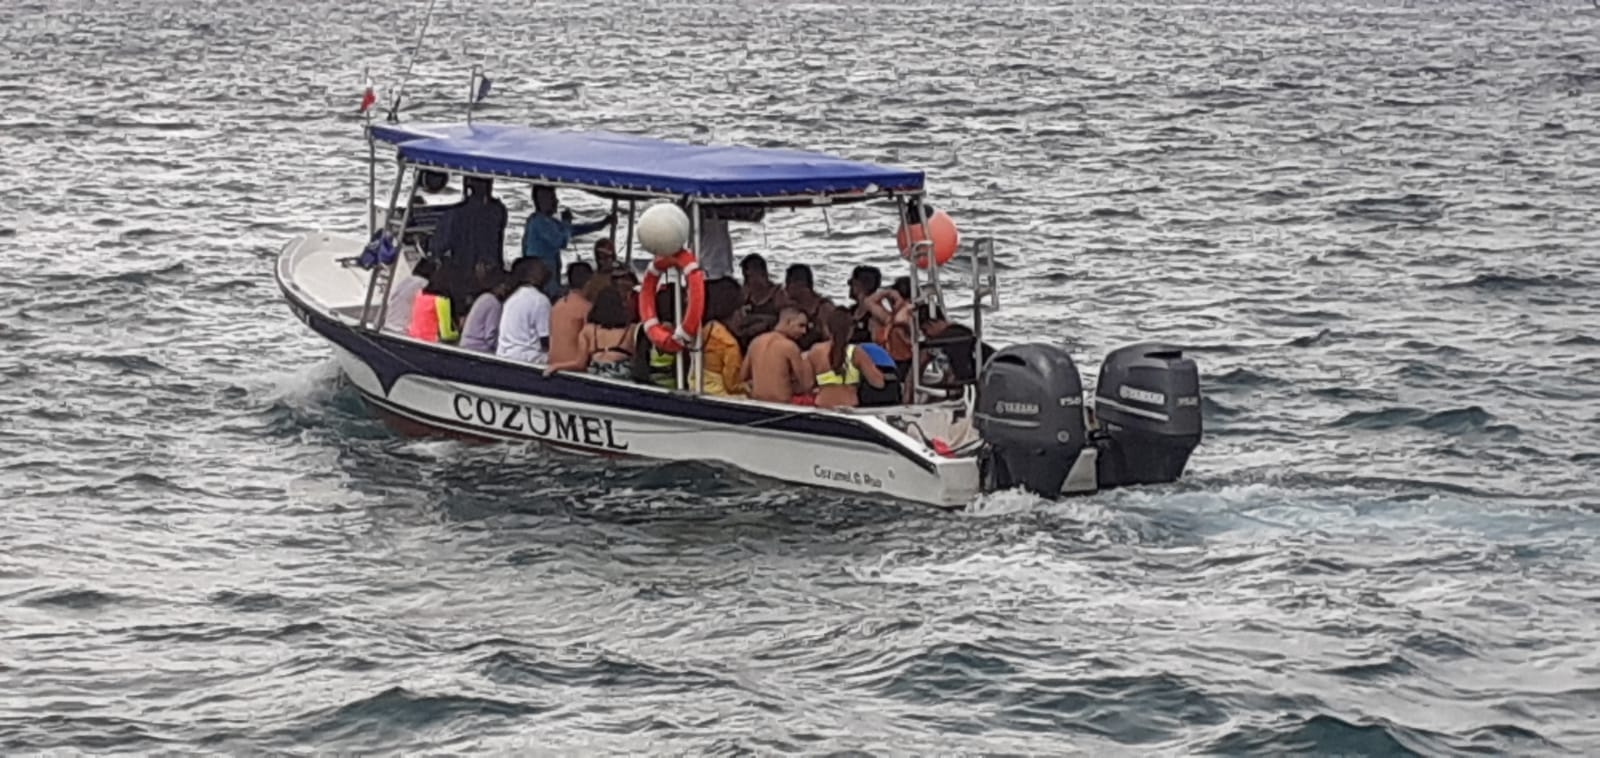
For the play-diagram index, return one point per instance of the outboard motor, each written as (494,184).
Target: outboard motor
(1148,407)
(1030,413)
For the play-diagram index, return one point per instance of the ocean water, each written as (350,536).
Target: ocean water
(1373,224)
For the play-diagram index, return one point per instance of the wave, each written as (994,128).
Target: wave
(74,599)
(392,716)
(1516,283)
(1453,421)
(1406,209)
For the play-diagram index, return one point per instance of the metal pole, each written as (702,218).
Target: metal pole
(698,362)
(916,292)
(677,306)
(613,233)
(372,168)
(394,109)
(933,263)
(399,249)
(472,80)
(632,204)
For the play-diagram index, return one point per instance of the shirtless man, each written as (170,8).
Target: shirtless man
(774,370)
(568,314)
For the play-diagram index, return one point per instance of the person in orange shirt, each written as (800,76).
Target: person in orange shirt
(723,358)
(432,319)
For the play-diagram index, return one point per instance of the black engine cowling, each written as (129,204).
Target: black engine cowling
(1030,413)
(1147,403)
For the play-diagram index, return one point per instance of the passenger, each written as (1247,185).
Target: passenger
(568,314)
(892,392)
(627,285)
(723,361)
(775,370)
(955,341)
(891,324)
(605,257)
(397,317)
(865,281)
(481,332)
(545,236)
(762,299)
(606,343)
(839,365)
(432,318)
(525,317)
(650,365)
(799,292)
(470,235)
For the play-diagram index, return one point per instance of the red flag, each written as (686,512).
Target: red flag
(368,97)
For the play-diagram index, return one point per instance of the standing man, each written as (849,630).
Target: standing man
(545,235)
(470,236)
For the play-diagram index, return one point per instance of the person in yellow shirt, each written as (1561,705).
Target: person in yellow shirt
(723,358)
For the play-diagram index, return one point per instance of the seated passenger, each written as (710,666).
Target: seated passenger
(481,332)
(606,344)
(799,292)
(893,391)
(954,341)
(865,281)
(525,317)
(651,365)
(397,317)
(891,323)
(775,370)
(568,314)
(839,366)
(431,313)
(723,360)
(627,284)
(761,300)
(605,257)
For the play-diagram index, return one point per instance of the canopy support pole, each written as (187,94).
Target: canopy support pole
(372,171)
(613,234)
(698,356)
(632,204)
(399,250)
(915,369)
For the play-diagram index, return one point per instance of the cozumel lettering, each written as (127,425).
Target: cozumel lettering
(543,423)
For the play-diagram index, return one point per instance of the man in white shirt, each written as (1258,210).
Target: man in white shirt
(525,317)
(397,317)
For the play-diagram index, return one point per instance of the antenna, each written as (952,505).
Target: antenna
(394,108)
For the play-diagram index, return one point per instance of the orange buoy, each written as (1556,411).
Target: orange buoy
(943,235)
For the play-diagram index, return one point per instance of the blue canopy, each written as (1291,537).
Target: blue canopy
(625,163)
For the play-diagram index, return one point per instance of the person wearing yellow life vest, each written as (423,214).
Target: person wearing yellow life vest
(432,319)
(840,367)
(651,365)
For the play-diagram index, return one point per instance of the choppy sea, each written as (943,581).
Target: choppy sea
(1372,223)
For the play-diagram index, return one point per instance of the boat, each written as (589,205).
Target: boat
(1024,421)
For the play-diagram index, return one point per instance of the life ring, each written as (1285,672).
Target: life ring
(667,340)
